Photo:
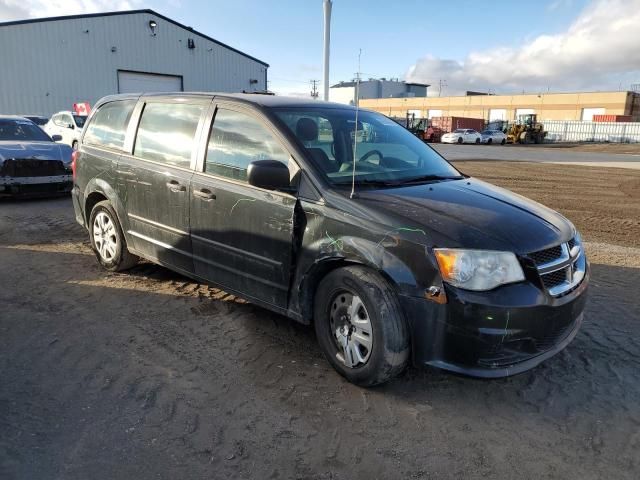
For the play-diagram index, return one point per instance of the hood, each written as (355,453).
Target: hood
(470,213)
(35,150)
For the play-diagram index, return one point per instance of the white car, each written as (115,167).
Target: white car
(68,125)
(462,135)
(493,136)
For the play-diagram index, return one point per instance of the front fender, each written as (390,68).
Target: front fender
(324,254)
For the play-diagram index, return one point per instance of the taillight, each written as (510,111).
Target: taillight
(74,163)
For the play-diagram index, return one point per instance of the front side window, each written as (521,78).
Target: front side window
(236,140)
(385,153)
(79,120)
(167,133)
(109,124)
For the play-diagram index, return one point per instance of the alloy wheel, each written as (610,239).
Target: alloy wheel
(105,237)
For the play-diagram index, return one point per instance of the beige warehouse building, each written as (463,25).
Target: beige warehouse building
(548,106)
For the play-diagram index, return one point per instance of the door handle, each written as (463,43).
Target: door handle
(205,194)
(176,187)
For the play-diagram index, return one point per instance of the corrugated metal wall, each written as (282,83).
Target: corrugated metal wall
(47,66)
(615,132)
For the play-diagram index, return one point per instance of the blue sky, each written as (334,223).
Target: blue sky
(393,35)
(498,46)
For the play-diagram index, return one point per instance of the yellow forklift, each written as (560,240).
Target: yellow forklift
(527,129)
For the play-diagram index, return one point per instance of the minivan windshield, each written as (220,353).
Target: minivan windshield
(385,152)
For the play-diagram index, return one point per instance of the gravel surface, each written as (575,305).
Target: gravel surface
(147,374)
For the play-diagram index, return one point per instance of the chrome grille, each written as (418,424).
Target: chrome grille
(554,279)
(561,268)
(547,255)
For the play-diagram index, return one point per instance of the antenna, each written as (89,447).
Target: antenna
(355,131)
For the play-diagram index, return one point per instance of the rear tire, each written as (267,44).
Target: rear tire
(490,141)
(356,310)
(107,239)
(503,142)
(460,140)
(477,141)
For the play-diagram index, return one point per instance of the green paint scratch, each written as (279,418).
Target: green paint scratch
(398,230)
(339,244)
(240,200)
(506,328)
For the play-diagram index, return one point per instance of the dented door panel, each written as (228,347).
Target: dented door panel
(242,237)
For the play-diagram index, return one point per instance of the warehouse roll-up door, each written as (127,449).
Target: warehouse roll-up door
(496,114)
(524,111)
(588,113)
(137,82)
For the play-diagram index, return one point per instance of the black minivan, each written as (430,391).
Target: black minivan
(334,217)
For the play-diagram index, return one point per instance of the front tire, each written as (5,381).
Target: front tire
(477,141)
(490,141)
(107,239)
(360,326)
(503,142)
(460,140)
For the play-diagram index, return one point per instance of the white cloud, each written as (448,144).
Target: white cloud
(600,50)
(21,9)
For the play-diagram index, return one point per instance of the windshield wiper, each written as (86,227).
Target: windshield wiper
(373,183)
(431,178)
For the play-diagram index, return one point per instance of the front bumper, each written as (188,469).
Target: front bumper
(493,334)
(56,184)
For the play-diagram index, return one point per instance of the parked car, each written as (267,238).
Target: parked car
(37,119)
(30,161)
(399,257)
(493,136)
(462,135)
(68,125)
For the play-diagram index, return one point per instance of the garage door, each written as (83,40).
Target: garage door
(524,111)
(135,82)
(497,114)
(588,113)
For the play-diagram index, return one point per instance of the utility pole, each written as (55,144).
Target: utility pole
(314,89)
(326,6)
(443,83)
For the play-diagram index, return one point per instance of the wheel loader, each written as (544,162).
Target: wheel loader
(527,129)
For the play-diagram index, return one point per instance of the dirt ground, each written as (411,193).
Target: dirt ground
(146,374)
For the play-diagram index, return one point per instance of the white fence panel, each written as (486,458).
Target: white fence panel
(576,131)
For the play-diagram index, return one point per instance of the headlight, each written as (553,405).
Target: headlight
(478,269)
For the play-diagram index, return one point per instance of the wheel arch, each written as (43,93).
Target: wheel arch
(98,190)
(396,273)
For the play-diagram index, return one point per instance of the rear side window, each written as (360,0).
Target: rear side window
(236,140)
(167,133)
(109,124)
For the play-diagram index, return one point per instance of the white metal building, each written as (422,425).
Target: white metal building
(48,64)
(345,92)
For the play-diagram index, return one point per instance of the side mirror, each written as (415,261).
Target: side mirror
(268,174)
(56,138)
